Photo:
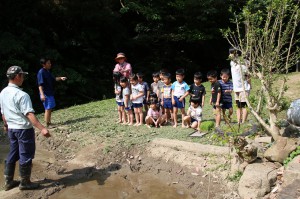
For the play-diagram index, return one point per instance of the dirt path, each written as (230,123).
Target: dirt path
(164,169)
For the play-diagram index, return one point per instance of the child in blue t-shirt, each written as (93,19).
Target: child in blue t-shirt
(180,90)
(227,88)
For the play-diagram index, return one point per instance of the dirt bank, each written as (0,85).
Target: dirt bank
(66,169)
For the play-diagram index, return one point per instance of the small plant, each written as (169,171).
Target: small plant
(236,177)
(207,126)
(107,149)
(292,156)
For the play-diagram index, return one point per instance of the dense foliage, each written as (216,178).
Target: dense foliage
(83,37)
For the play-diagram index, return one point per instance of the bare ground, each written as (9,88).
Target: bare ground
(168,168)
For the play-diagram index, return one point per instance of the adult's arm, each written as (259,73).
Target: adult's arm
(4,124)
(60,78)
(35,122)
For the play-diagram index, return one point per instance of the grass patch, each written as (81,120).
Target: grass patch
(207,126)
(97,122)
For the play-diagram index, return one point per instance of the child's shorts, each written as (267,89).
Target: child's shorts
(137,105)
(226,105)
(49,102)
(193,120)
(129,108)
(179,104)
(168,103)
(120,103)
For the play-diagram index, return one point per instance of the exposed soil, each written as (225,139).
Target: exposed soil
(66,170)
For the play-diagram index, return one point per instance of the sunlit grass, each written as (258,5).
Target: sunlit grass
(96,121)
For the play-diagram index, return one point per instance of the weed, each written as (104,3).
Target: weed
(292,156)
(236,177)
(107,149)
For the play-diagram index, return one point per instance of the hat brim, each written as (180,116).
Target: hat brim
(120,57)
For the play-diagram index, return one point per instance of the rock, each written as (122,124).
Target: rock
(237,165)
(292,171)
(291,131)
(293,113)
(292,191)
(257,180)
(263,139)
(281,149)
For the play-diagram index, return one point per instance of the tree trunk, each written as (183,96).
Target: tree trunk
(273,127)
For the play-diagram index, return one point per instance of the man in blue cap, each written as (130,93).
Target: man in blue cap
(19,119)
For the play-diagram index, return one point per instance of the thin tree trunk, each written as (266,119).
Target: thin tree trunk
(273,127)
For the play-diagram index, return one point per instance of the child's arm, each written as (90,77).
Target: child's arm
(148,94)
(218,98)
(188,113)
(210,100)
(117,92)
(203,101)
(126,101)
(173,101)
(185,94)
(141,93)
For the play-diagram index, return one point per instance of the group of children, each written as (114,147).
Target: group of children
(163,99)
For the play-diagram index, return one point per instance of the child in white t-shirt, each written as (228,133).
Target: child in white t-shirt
(119,98)
(241,83)
(137,98)
(180,90)
(127,102)
(194,114)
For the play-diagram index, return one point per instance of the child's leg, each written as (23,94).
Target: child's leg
(162,119)
(224,115)
(186,120)
(175,110)
(238,111)
(230,113)
(218,116)
(182,116)
(167,114)
(195,125)
(163,110)
(148,121)
(141,115)
(137,116)
(130,117)
(171,115)
(244,114)
(238,115)
(123,114)
(120,114)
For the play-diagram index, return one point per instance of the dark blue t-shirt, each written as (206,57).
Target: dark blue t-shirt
(226,97)
(46,80)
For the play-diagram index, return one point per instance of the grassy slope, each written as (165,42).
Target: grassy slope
(96,121)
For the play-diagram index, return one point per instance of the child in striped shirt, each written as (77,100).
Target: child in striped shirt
(227,88)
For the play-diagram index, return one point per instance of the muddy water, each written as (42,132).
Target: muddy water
(3,153)
(117,187)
